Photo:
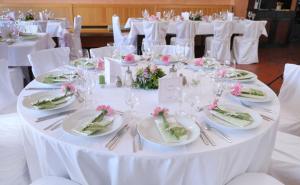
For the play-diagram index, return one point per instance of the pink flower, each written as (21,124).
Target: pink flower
(199,62)
(222,73)
(236,89)
(213,105)
(129,58)
(100,64)
(165,59)
(153,68)
(68,87)
(106,108)
(160,111)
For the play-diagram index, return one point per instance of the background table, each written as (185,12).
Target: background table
(87,161)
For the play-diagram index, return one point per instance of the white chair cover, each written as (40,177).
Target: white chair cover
(219,44)
(73,40)
(290,101)
(112,70)
(46,60)
(42,26)
(3,51)
(119,38)
(285,164)
(171,50)
(254,179)
(245,48)
(155,32)
(7,94)
(52,180)
(109,51)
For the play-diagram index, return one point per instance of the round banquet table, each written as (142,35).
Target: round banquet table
(88,162)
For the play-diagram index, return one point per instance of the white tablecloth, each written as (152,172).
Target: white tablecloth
(55,28)
(202,27)
(88,162)
(17,52)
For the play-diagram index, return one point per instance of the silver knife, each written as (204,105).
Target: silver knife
(221,134)
(117,139)
(54,115)
(42,88)
(112,140)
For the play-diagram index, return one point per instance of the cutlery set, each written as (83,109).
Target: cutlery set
(112,143)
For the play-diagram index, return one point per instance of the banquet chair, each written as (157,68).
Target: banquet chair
(119,38)
(245,48)
(108,51)
(172,50)
(254,178)
(15,73)
(13,166)
(49,59)
(219,44)
(285,163)
(53,180)
(155,33)
(73,40)
(289,100)
(185,34)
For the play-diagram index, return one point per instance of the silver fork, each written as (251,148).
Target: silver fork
(218,132)
(250,106)
(133,134)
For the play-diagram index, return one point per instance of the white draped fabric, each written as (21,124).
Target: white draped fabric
(245,48)
(18,51)
(155,32)
(219,44)
(173,50)
(52,180)
(87,161)
(289,100)
(109,51)
(254,178)
(49,59)
(119,38)
(113,69)
(285,165)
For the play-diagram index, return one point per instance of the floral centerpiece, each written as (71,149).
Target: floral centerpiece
(147,78)
(197,16)
(29,16)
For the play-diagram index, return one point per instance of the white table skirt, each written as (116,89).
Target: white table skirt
(202,27)
(88,162)
(17,52)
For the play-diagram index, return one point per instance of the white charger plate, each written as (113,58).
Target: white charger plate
(28,100)
(40,78)
(148,131)
(78,118)
(257,120)
(269,96)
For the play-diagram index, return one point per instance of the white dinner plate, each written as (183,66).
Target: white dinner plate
(257,120)
(269,96)
(148,131)
(29,100)
(81,61)
(78,118)
(250,77)
(40,78)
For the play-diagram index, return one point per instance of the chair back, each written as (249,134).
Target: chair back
(185,32)
(7,95)
(253,29)
(46,60)
(77,24)
(118,37)
(106,51)
(155,32)
(290,90)
(222,30)
(172,50)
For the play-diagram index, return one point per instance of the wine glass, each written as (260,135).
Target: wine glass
(249,15)
(131,100)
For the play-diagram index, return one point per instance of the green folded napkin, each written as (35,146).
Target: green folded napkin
(252,93)
(235,118)
(170,130)
(52,103)
(239,75)
(51,79)
(84,62)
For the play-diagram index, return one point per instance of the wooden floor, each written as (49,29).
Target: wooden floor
(271,63)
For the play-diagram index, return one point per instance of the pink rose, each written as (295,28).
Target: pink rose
(129,58)
(199,62)
(213,105)
(160,111)
(106,108)
(100,64)
(236,89)
(222,73)
(153,68)
(68,87)
(165,59)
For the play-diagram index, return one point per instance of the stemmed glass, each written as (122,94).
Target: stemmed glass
(131,100)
